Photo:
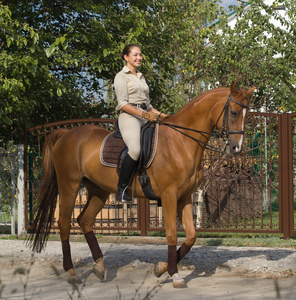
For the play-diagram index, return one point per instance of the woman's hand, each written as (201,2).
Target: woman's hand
(162,116)
(150,116)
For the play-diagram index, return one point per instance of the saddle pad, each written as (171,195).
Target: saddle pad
(112,146)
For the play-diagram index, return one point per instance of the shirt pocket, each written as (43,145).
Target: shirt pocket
(132,88)
(145,89)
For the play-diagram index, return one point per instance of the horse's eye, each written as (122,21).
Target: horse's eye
(233,113)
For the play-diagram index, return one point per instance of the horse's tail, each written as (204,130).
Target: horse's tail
(47,198)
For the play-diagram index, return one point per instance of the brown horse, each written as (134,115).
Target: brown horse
(72,157)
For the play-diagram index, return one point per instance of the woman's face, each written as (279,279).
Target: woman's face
(134,58)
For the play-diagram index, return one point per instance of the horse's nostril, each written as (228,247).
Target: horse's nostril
(236,149)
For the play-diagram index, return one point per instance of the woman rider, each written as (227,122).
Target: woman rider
(132,94)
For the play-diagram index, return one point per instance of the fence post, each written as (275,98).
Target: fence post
(143,215)
(286,174)
(20,191)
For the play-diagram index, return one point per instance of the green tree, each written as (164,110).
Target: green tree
(184,28)
(257,51)
(207,51)
(58,58)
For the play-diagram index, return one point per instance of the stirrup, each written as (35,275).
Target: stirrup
(130,200)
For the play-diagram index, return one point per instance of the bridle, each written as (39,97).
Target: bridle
(225,132)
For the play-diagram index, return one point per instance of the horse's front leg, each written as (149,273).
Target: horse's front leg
(186,217)
(169,205)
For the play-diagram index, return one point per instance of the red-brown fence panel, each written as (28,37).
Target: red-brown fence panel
(292,172)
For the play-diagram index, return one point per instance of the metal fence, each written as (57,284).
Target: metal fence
(8,184)
(291,164)
(249,192)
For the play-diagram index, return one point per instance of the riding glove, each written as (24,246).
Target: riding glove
(150,116)
(162,116)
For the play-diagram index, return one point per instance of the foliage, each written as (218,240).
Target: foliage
(209,51)
(55,58)
(257,51)
(58,58)
(185,27)
(8,162)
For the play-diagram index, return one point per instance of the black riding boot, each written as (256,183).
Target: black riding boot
(128,166)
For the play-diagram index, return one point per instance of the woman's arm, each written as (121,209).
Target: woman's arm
(132,110)
(150,116)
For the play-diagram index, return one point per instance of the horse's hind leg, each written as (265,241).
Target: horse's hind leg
(96,200)
(68,191)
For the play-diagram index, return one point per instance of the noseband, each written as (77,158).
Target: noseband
(225,132)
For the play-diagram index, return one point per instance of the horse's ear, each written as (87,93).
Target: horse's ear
(251,91)
(233,89)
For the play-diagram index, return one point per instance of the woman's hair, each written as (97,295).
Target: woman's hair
(127,49)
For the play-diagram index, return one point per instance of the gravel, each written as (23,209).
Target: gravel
(130,271)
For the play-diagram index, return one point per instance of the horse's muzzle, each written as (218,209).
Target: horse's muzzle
(235,147)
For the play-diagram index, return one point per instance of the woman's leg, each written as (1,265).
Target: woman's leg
(130,128)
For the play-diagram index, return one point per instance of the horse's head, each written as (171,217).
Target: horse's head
(231,121)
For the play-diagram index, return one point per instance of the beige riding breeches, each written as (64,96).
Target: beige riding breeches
(130,128)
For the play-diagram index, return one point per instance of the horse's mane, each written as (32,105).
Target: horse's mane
(201,96)
(206,93)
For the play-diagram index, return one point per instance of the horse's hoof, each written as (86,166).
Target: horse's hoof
(99,269)
(160,268)
(73,278)
(178,282)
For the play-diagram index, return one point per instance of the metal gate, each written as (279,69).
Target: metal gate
(8,179)
(249,192)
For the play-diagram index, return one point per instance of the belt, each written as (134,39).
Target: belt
(142,105)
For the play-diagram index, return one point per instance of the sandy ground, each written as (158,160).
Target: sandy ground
(210,273)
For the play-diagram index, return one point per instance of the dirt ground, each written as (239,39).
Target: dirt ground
(210,272)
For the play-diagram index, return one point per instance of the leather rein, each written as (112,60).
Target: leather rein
(225,132)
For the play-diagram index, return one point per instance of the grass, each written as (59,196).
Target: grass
(255,241)
(203,239)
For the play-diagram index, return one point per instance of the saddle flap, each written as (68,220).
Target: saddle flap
(147,141)
(113,145)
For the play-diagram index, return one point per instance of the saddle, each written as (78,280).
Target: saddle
(114,149)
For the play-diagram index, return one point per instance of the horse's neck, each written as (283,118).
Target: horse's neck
(196,116)
(198,113)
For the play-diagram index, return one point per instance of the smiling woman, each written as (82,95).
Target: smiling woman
(132,94)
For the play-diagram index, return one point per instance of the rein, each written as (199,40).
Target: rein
(225,128)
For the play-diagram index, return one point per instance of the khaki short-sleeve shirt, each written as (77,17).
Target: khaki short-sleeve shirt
(130,88)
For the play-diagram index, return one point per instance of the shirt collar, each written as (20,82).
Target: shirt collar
(127,70)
